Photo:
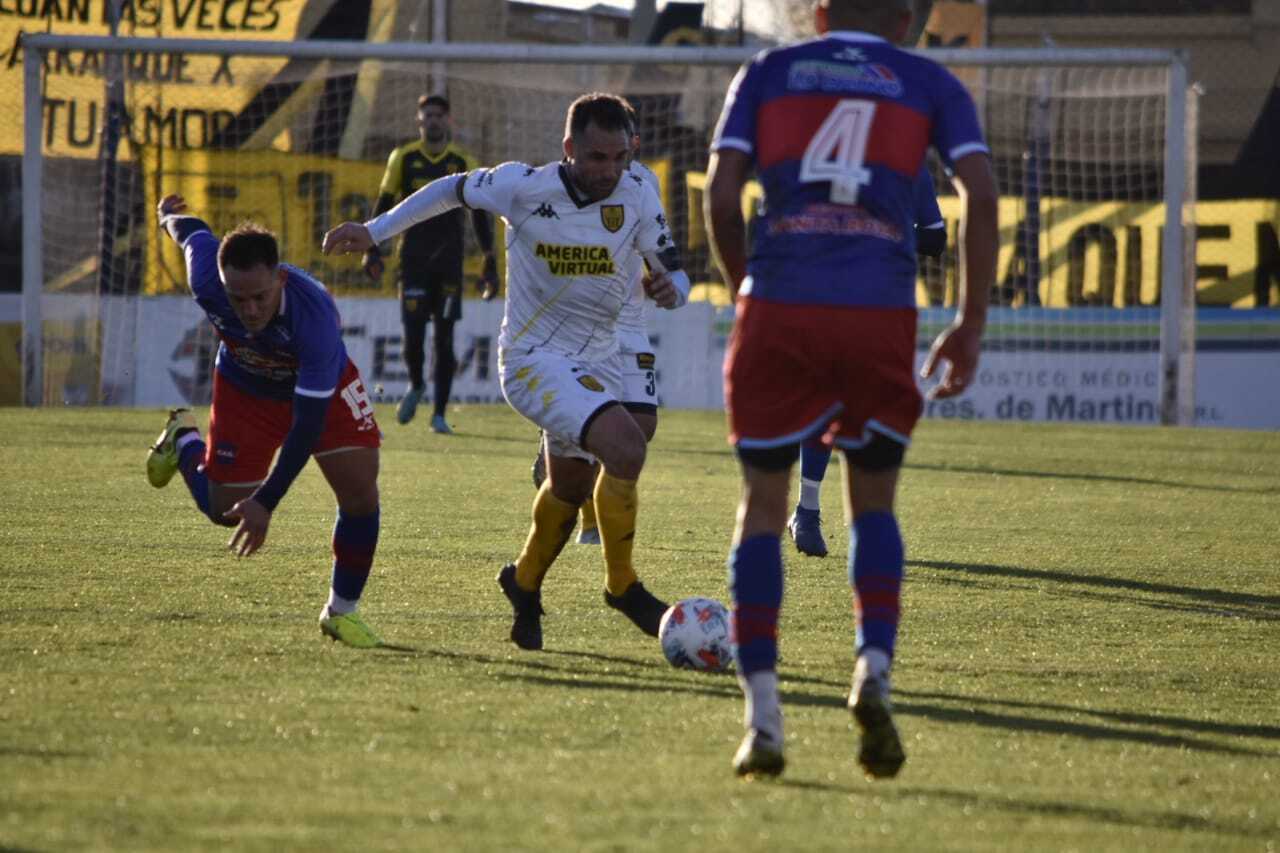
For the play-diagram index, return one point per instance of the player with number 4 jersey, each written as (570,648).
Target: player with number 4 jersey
(282,380)
(823,344)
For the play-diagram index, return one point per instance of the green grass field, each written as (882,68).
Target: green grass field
(1089,657)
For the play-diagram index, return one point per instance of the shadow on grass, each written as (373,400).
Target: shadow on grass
(1102,814)
(1125,717)
(1102,478)
(1088,731)
(1270,604)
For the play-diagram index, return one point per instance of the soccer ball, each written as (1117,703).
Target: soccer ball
(695,635)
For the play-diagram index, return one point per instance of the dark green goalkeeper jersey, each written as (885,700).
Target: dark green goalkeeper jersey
(438,242)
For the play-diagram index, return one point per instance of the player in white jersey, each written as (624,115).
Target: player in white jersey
(576,231)
(636,361)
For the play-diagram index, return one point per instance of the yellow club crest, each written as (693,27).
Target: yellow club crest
(612,216)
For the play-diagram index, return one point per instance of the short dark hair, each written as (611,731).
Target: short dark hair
(247,246)
(433,101)
(854,14)
(603,109)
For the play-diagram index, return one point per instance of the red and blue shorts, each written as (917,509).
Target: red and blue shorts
(844,374)
(245,430)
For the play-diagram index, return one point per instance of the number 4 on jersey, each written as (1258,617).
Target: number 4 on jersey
(837,149)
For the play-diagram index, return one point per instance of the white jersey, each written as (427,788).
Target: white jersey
(571,264)
(633,320)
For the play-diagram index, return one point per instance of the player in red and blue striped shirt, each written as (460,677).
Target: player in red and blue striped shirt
(836,129)
(283,380)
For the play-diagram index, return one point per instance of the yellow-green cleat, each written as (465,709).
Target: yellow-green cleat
(348,628)
(162,460)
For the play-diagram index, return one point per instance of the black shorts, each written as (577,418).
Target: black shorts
(430,291)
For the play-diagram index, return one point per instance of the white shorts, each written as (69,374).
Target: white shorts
(639,372)
(560,394)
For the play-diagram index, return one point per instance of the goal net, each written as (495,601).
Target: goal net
(1091,318)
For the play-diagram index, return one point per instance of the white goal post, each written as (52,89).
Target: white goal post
(1094,153)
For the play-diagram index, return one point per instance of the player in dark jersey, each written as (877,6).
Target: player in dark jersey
(823,344)
(283,380)
(431,255)
(805,524)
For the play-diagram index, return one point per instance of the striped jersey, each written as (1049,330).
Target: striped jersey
(838,128)
(301,349)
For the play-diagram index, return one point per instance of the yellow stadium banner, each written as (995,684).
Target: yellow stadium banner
(1091,253)
(10,364)
(1108,253)
(175,99)
(953,24)
(298,196)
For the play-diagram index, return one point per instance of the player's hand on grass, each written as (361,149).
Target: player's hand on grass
(347,237)
(958,346)
(373,265)
(170,204)
(489,278)
(252,532)
(658,287)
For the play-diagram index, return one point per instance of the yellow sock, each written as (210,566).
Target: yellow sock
(553,521)
(616,505)
(589,515)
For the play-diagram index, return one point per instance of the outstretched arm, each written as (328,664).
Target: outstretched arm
(196,239)
(439,196)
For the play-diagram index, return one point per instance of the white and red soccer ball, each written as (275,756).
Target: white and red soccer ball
(695,635)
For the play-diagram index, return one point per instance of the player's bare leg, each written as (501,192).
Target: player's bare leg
(619,443)
(875,570)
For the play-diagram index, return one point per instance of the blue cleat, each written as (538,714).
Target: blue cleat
(805,528)
(440,426)
(409,405)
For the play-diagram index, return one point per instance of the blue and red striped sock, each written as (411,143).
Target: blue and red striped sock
(190,456)
(755,583)
(876,560)
(355,538)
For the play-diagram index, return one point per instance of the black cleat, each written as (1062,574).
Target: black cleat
(640,606)
(881,755)
(526,628)
(759,755)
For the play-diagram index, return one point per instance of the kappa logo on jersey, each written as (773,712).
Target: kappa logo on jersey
(546,211)
(612,216)
(591,383)
(576,260)
(850,54)
(836,78)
